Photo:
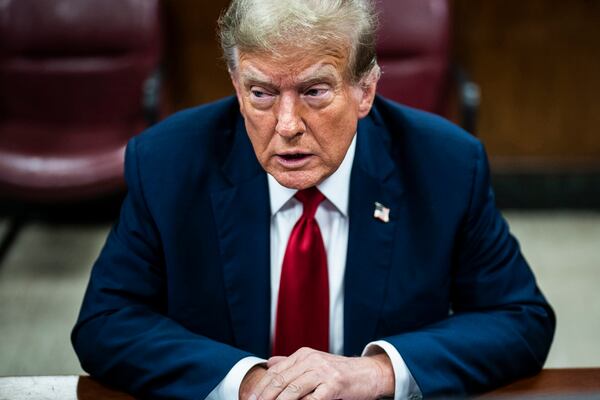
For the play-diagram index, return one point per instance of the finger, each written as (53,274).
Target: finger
(288,362)
(273,377)
(275,360)
(273,381)
(281,374)
(277,365)
(299,388)
(321,392)
(283,386)
(304,374)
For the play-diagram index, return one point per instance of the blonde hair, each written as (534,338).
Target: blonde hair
(268,25)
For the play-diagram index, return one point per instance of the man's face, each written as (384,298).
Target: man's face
(300,112)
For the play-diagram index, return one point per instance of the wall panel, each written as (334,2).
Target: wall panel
(538,64)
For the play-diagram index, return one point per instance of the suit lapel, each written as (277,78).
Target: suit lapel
(374,178)
(242,214)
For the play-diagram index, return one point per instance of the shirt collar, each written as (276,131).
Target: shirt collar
(336,187)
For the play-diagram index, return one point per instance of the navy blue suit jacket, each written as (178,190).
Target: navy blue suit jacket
(181,290)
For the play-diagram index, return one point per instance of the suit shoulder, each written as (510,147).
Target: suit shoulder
(185,149)
(193,129)
(435,155)
(423,128)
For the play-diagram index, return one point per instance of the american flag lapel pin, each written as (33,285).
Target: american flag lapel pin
(381,213)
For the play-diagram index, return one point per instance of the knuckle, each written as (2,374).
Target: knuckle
(272,371)
(271,374)
(277,380)
(294,388)
(314,357)
(336,376)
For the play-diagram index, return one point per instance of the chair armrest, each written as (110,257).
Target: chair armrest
(151,97)
(469,99)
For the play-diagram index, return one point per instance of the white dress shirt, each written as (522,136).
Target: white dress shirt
(332,217)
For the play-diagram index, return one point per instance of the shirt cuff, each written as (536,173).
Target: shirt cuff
(405,386)
(229,387)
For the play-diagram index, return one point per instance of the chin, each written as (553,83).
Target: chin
(296,179)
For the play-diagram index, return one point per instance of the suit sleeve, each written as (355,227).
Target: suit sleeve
(122,336)
(500,327)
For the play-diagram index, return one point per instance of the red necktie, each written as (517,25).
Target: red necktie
(303,305)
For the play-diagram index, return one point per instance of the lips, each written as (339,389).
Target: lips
(293,160)
(295,156)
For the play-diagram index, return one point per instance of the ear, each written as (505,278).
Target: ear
(367,87)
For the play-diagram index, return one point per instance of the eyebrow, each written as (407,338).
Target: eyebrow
(322,74)
(255,77)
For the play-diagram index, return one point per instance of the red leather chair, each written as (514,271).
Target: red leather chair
(72,79)
(413,50)
(77,80)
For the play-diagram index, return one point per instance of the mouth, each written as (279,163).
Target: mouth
(293,160)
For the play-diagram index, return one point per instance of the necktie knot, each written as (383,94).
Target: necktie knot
(310,199)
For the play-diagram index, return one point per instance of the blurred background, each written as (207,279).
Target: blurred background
(79,77)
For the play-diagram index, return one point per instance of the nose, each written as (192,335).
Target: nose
(289,121)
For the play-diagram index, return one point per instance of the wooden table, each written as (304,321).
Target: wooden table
(557,383)
(554,382)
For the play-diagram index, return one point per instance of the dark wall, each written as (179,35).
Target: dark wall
(538,64)
(195,71)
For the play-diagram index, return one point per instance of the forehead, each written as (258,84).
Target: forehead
(290,66)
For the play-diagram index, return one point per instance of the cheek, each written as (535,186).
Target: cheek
(260,131)
(336,140)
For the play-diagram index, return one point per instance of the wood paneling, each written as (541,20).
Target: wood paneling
(194,67)
(538,65)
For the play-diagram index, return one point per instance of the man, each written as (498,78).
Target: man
(353,241)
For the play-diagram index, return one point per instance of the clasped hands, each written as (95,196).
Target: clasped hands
(314,375)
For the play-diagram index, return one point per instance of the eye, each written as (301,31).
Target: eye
(316,91)
(259,93)
(261,98)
